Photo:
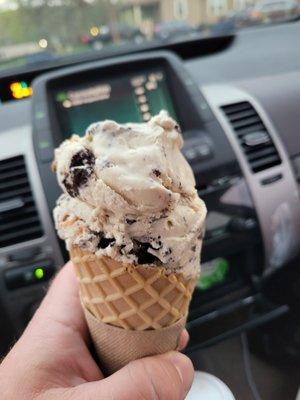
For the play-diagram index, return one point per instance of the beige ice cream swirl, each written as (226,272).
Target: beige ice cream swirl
(130,194)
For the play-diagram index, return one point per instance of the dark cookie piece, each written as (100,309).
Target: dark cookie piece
(130,221)
(93,129)
(69,188)
(156,244)
(103,241)
(177,128)
(81,168)
(156,172)
(141,251)
(168,252)
(201,235)
(106,164)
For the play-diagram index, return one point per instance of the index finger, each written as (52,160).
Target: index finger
(61,303)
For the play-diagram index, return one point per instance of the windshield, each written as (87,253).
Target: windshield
(35,31)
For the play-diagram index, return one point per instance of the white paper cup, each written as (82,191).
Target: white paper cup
(208,387)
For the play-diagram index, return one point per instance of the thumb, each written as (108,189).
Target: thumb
(165,377)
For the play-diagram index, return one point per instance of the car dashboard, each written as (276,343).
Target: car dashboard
(240,139)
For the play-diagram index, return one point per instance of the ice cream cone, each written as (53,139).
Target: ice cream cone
(133,224)
(131,311)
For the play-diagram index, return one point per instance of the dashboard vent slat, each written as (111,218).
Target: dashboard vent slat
(11,165)
(6,186)
(245,122)
(13,174)
(254,154)
(19,219)
(252,135)
(19,192)
(18,224)
(241,115)
(237,107)
(250,129)
(266,162)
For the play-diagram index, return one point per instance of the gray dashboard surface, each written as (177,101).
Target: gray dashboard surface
(256,51)
(264,61)
(14,114)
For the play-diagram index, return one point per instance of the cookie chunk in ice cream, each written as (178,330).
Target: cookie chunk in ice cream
(130,194)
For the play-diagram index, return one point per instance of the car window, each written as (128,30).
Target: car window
(40,31)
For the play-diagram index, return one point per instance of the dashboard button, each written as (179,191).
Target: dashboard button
(45,145)
(204,151)
(221,182)
(46,154)
(216,224)
(41,124)
(40,119)
(239,224)
(28,275)
(191,154)
(197,149)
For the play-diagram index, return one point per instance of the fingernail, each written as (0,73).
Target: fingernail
(184,367)
(183,340)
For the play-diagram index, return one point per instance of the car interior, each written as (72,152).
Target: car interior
(234,88)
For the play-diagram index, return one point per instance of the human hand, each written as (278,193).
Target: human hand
(51,360)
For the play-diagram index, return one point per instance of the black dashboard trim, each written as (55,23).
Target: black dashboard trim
(186,49)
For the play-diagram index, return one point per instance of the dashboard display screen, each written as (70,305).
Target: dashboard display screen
(130,98)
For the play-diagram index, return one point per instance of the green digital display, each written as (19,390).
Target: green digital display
(212,273)
(131,98)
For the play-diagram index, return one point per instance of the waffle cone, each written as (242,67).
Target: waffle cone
(128,296)
(131,311)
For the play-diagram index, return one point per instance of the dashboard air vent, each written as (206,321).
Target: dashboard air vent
(19,220)
(252,136)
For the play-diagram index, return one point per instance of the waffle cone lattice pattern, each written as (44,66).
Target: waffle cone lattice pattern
(131,297)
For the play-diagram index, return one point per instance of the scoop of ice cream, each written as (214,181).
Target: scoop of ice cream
(130,194)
